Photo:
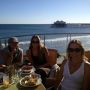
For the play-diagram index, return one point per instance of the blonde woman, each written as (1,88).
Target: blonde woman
(75,71)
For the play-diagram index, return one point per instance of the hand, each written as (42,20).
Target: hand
(2,66)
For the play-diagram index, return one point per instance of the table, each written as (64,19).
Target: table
(19,87)
(16,86)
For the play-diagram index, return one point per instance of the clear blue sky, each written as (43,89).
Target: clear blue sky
(44,11)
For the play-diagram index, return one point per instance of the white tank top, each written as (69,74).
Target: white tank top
(72,81)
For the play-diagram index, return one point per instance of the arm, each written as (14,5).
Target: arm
(20,58)
(46,57)
(7,57)
(50,82)
(28,55)
(86,84)
(58,77)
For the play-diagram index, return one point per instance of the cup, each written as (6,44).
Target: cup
(6,80)
(1,78)
(15,77)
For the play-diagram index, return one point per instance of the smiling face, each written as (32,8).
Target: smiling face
(75,50)
(35,42)
(14,45)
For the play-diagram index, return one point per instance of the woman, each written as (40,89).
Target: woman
(75,71)
(38,57)
(37,53)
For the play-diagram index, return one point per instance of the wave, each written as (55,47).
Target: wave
(59,43)
(60,39)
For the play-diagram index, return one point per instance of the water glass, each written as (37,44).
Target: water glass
(15,77)
(6,80)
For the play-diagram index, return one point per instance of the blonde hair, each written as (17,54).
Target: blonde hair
(78,42)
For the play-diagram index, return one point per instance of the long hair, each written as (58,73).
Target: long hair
(39,40)
(78,42)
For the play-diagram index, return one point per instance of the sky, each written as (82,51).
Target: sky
(44,11)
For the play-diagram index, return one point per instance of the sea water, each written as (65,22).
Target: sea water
(54,37)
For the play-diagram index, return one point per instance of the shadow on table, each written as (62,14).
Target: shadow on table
(25,88)
(3,87)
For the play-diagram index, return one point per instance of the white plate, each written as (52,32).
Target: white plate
(22,82)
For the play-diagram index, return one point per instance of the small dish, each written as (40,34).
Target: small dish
(30,81)
(27,69)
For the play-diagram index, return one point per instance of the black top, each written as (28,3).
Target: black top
(40,59)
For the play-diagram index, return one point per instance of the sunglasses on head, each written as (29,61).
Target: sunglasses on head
(74,49)
(35,41)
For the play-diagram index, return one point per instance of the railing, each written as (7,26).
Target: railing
(57,41)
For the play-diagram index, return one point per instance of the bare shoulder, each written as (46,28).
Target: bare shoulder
(44,49)
(63,63)
(62,66)
(87,64)
(87,67)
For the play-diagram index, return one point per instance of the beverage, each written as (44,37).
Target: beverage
(10,71)
(1,78)
(6,80)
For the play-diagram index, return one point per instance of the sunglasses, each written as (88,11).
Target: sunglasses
(14,42)
(35,42)
(74,50)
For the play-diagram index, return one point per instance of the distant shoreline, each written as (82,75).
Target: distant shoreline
(78,24)
(44,24)
(68,24)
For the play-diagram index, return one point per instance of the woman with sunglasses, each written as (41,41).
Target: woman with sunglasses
(75,71)
(38,56)
(37,53)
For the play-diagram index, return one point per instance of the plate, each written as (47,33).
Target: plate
(27,69)
(30,81)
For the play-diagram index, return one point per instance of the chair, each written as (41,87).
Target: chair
(52,56)
(52,60)
(87,54)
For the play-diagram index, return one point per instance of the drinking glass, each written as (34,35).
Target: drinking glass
(6,80)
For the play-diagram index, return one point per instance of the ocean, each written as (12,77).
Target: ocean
(54,37)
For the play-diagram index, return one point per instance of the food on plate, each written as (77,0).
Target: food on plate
(29,81)
(26,69)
